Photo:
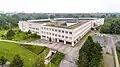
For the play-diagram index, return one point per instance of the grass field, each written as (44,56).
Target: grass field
(2,32)
(118,54)
(28,53)
(10,49)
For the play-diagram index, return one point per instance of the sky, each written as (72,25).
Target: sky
(60,6)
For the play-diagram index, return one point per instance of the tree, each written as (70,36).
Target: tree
(17,62)
(10,34)
(3,60)
(90,54)
(39,63)
(52,16)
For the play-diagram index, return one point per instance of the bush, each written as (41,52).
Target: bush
(57,58)
(17,62)
(39,63)
(10,34)
(36,49)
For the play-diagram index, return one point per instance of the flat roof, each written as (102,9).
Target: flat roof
(58,19)
(40,20)
(67,27)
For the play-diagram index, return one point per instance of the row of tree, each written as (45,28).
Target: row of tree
(7,22)
(13,34)
(90,54)
(111,26)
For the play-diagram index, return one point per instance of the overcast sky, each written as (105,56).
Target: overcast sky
(60,6)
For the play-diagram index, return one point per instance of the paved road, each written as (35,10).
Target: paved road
(113,47)
(110,60)
(104,41)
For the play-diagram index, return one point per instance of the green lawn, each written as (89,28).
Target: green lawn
(57,58)
(42,53)
(118,54)
(35,49)
(28,53)
(2,32)
(10,49)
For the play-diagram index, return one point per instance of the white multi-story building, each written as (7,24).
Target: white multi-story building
(66,30)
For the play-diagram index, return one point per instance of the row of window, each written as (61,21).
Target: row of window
(34,28)
(86,24)
(34,31)
(58,35)
(56,30)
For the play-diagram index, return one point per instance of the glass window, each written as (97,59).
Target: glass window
(44,28)
(59,35)
(70,32)
(66,31)
(55,30)
(62,31)
(55,34)
(66,37)
(62,36)
(59,31)
(52,29)
(70,37)
(42,31)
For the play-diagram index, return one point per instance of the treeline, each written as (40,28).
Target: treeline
(111,26)
(90,55)
(17,35)
(7,22)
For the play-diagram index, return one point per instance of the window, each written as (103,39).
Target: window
(66,31)
(70,37)
(70,32)
(59,31)
(66,37)
(55,30)
(55,34)
(37,28)
(62,31)
(62,36)
(44,28)
(37,32)
(59,35)
(52,29)
(42,31)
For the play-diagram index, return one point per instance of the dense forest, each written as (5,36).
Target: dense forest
(90,57)
(111,26)
(7,21)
